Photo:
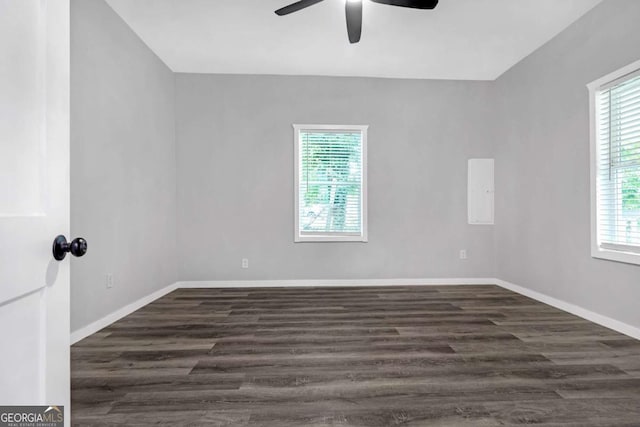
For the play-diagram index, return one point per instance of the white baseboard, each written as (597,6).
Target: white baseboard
(99,324)
(339,282)
(130,308)
(600,319)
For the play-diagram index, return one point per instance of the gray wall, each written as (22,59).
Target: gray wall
(542,165)
(123,176)
(235,176)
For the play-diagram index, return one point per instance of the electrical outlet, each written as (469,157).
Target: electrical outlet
(463,254)
(245,262)
(109,280)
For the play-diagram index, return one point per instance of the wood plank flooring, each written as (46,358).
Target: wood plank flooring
(370,356)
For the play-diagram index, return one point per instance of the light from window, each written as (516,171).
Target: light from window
(330,183)
(616,106)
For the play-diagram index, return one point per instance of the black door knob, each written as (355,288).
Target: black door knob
(77,247)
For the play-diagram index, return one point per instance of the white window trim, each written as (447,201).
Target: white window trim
(299,238)
(597,251)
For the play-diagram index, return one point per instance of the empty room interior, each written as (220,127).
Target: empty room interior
(359,213)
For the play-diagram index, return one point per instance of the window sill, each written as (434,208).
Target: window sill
(617,256)
(330,239)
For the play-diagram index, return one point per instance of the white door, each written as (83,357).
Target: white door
(34,202)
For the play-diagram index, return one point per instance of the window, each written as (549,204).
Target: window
(330,183)
(615,168)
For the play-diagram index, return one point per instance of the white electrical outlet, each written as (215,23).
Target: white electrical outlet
(463,254)
(109,280)
(245,262)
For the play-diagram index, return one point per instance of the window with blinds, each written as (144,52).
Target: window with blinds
(330,183)
(617,165)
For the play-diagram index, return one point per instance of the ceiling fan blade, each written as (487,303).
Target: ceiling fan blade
(414,4)
(294,7)
(354,20)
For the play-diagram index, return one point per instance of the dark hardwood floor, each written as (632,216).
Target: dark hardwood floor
(371,356)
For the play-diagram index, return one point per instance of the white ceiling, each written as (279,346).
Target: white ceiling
(460,39)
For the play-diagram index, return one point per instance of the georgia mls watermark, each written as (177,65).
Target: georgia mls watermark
(31,416)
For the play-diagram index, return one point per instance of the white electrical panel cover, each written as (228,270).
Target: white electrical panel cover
(480,191)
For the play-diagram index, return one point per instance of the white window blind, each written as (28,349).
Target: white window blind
(330,180)
(618,165)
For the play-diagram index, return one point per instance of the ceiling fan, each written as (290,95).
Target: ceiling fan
(354,11)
